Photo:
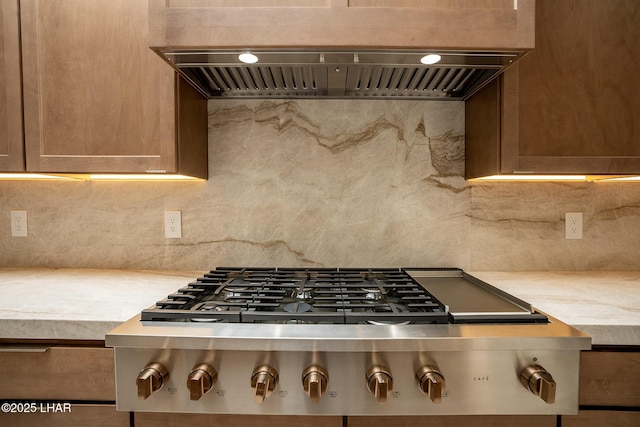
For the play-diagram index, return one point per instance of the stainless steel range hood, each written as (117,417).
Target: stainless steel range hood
(337,74)
(341,48)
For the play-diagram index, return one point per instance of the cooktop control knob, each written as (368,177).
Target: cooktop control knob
(314,381)
(379,382)
(538,381)
(201,380)
(431,382)
(151,379)
(263,381)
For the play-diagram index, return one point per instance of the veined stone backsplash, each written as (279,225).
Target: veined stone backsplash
(326,183)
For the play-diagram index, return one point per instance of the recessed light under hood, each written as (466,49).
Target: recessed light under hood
(388,74)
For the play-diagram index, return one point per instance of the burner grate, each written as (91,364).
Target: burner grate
(336,296)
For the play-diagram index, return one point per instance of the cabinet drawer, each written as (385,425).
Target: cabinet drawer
(610,378)
(602,418)
(201,420)
(455,421)
(76,416)
(61,373)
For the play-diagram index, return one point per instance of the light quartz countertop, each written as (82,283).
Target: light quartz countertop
(78,304)
(85,304)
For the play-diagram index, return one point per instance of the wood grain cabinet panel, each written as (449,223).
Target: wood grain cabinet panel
(77,416)
(402,24)
(609,384)
(571,105)
(455,421)
(96,98)
(602,418)
(11,134)
(199,420)
(59,373)
(610,378)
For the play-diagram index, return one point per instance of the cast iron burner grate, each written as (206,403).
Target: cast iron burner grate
(290,295)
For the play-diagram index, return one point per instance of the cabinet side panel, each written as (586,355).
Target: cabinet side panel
(192,131)
(482,132)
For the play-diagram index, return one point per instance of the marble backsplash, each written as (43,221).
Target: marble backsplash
(326,183)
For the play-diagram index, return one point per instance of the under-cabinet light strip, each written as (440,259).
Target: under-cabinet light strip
(531,178)
(95,177)
(585,178)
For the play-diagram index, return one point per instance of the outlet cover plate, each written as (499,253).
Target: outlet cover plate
(19,223)
(573,225)
(173,224)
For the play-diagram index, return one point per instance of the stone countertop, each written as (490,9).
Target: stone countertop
(78,304)
(84,304)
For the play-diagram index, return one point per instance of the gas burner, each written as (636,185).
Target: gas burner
(374,294)
(297,307)
(234,293)
(205,320)
(304,293)
(212,306)
(388,308)
(391,322)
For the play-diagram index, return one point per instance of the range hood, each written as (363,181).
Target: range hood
(363,49)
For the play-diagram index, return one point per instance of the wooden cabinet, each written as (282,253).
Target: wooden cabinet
(78,415)
(610,378)
(603,418)
(367,24)
(11,143)
(59,382)
(571,105)
(609,384)
(97,99)
(455,421)
(191,420)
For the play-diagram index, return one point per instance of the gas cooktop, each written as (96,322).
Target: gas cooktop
(379,296)
(345,341)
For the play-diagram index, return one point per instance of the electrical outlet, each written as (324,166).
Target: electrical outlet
(573,225)
(19,224)
(173,224)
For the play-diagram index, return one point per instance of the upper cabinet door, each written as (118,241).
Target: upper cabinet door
(572,105)
(579,90)
(11,140)
(96,98)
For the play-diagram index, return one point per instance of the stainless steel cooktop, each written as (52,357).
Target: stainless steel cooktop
(345,342)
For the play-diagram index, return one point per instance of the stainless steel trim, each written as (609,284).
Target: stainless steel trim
(346,338)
